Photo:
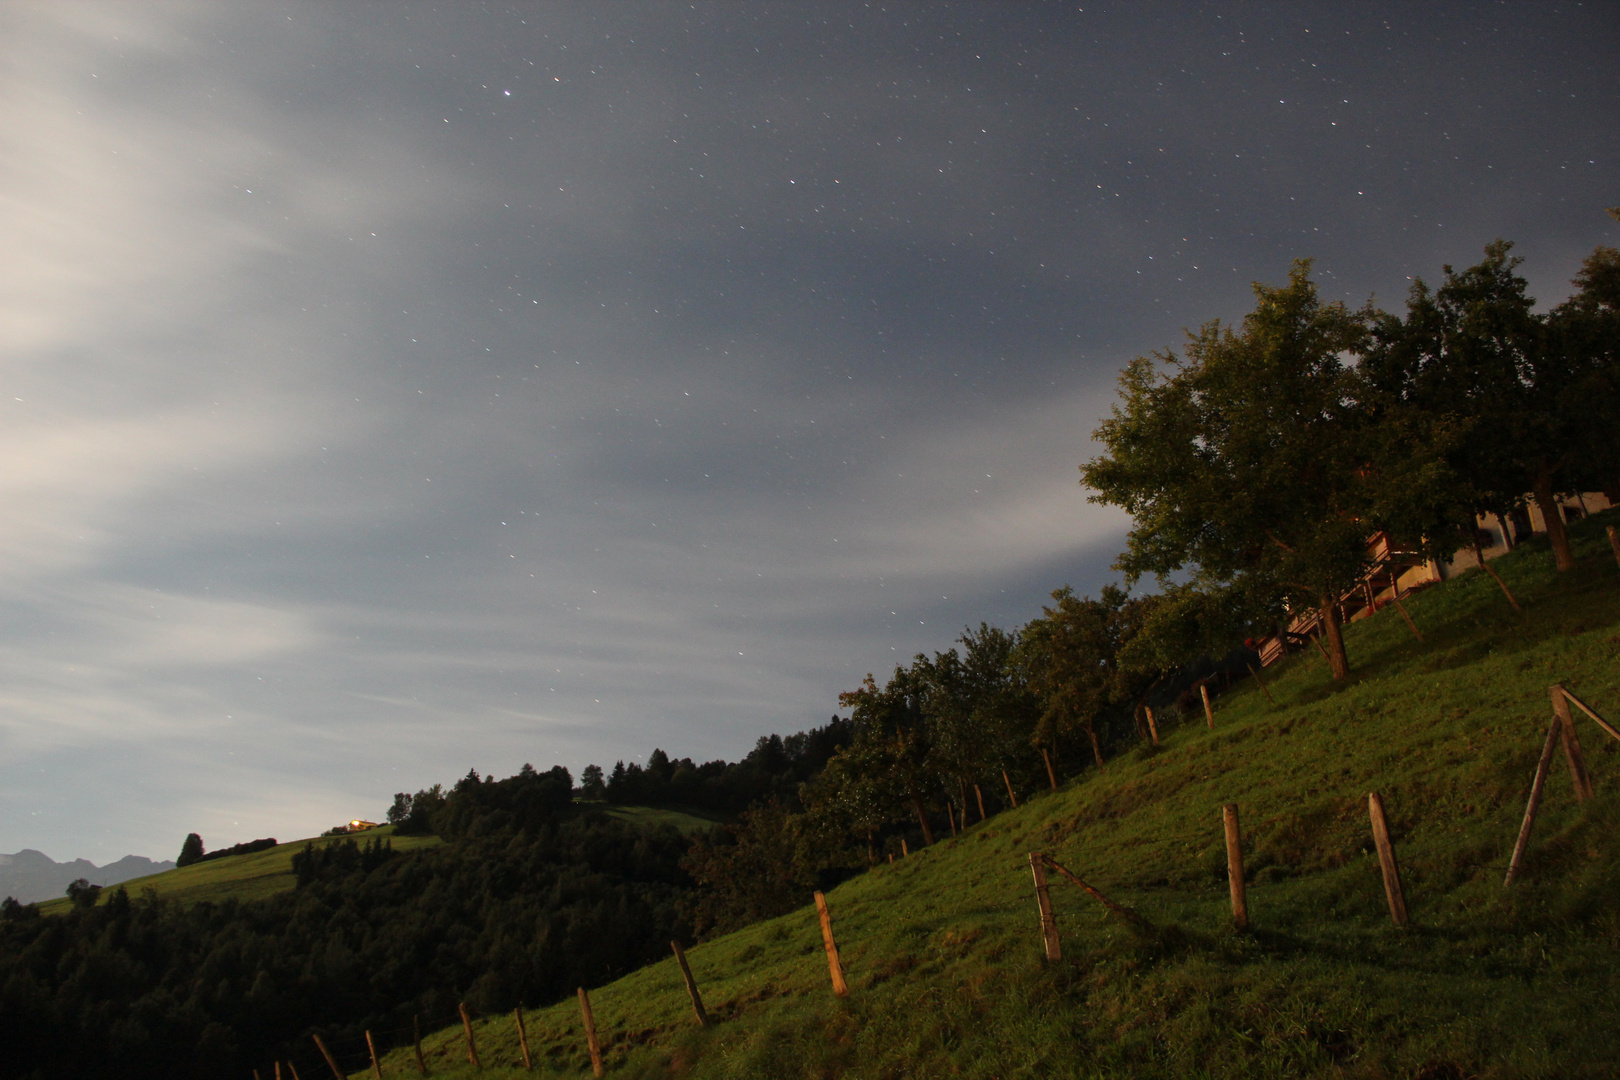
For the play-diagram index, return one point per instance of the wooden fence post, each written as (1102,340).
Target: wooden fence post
(691,985)
(1409,623)
(1554,730)
(835,967)
(416,1040)
(1209,710)
(1050,775)
(1589,711)
(466,1028)
(1043,901)
(1096,894)
(1262,682)
(590,1032)
(371,1046)
(293,1069)
(1234,867)
(523,1037)
(951,817)
(1153,728)
(278,1070)
(1386,859)
(980,796)
(1572,745)
(1614,542)
(320,1044)
(904,850)
(1010,794)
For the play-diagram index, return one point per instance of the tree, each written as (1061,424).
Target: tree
(1071,659)
(591,783)
(1241,463)
(83,894)
(190,851)
(1513,402)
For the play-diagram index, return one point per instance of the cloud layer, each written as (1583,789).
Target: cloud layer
(391,391)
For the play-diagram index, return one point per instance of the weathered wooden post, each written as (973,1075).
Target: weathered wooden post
(1234,867)
(1010,794)
(951,817)
(590,1032)
(1262,682)
(1409,623)
(376,1067)
(293,1069)
(1050,775)
(416,1040)
(1043,902)
(1209,710)
(1386,859)
(691,985)
(1614,542)
(320,1044)
(980,796)
(1554,730)
(1572,745)
(835,967)
(1153,727)
(466,1028)
(905,851)
(523,1037)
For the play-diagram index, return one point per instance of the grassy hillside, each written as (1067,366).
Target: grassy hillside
(943,951)
(265,873)
(244,877)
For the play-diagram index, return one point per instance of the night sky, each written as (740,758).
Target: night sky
(392,389)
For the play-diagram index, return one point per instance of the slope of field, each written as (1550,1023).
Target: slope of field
(943,950)
(265,873)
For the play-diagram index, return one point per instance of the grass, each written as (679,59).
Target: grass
(242,877)
(265,873)
(943,953)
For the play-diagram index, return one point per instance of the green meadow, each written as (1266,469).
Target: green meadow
(943,950)
(265,873)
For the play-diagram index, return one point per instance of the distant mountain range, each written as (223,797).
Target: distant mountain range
(32,875)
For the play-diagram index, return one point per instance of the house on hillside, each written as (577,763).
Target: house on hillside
(1394,571)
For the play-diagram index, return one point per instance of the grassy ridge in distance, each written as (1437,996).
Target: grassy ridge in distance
(943,951)
(265,873)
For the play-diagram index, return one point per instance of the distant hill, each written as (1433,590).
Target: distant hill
(31,875)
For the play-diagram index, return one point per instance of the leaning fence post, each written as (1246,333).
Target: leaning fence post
(1386,859)
(1262,682)
(293,1069)
(1010,794)
(371,1046)
(320,1044)
(1209,710)
(1554,729)
(1614,542)
(1050,775)
(1153,728)
(523,1037)
(466,1027)
(1043,901)
(590,1032)
(416,1040)
(835,967)
(980,796)
(1234,866)
(1572,745)
(691,985)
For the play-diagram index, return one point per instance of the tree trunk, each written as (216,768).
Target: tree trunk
(1553,515)
(922,819)
(1338,662)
